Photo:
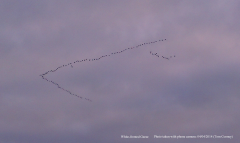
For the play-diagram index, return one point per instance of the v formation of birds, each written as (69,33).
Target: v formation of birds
(95,59)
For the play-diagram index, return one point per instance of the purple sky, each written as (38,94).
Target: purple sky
(132,93)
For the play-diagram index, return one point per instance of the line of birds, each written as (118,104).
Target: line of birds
(65,89)
(95,59)
(155,54)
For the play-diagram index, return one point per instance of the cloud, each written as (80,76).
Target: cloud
(133,93)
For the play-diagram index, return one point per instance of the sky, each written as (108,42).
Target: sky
(132,93)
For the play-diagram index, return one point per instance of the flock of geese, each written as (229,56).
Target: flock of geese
(161,56)
(95,59)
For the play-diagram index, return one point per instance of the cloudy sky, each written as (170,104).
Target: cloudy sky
(133,92)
